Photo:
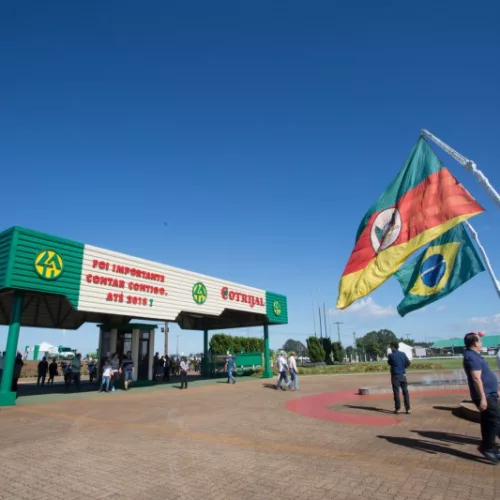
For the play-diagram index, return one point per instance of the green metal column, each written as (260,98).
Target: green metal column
(268,373)
(205,369)
(7,397)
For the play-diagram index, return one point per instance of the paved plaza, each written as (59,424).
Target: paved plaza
(248,441)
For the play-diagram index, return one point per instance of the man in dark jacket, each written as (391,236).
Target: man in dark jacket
(483,387)
(43,368)
(398,361)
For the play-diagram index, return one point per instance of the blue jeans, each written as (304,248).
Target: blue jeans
(283,376)
(230,376)
(295,379)
(105,382)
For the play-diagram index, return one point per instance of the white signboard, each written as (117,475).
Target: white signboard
(115,283)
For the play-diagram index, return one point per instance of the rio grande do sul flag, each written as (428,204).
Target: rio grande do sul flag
(422,203)
(448,262)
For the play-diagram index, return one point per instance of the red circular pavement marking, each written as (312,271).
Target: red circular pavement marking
(316,407)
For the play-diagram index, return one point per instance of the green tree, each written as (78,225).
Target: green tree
(338,352)
(316,351)
(220,343)
(374,344)
(296,346)
(327,347)
(350,352)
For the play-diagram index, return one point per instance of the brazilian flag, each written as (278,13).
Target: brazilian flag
(448,262)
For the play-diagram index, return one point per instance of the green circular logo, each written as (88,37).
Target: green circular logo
(49,265)
(277,308)
(199,293)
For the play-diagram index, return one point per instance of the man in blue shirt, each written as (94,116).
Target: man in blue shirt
(483,387)
(398,361)
(230,366)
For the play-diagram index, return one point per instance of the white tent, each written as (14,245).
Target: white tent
(47,349)
(407,349)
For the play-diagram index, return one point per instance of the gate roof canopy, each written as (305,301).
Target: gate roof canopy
(66,284)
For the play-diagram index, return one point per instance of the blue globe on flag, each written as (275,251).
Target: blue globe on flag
(432,270)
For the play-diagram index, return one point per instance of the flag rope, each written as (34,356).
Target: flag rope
(496,283)
(467,164)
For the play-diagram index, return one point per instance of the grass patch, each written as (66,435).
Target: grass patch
(381,367)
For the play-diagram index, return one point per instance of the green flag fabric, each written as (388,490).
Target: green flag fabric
(448,262)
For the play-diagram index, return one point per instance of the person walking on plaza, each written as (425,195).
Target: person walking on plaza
(184,368)
(229,368)
(43,368)
(91,365)
(106,376)
(76,367)
(115,376)
(483,387)
(128,371)
(52,372)
(166,368)
(282,368)
(292,367)
(67,372)
(399,362)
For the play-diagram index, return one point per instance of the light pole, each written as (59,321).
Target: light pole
(165,346)
(338,323)
(177,348)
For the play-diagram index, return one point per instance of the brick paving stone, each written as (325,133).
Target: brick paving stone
(220,442)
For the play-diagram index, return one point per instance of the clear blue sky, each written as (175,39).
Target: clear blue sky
(260,131)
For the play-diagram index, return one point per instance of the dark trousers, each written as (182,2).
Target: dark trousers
(399,383)
(490,423)
(184,379)
(76,380)
(42,378)
(166,373)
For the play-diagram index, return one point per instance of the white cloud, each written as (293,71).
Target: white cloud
(441,308)
(490,323)
(366,308)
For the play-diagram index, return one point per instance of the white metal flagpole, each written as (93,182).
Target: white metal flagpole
(496,283)
(467,164)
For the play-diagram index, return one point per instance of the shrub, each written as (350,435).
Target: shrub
(220,343)
(315,349)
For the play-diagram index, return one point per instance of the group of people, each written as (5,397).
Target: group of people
(287,365)
(44,368)
(71,370)
(166,366)
(112,370)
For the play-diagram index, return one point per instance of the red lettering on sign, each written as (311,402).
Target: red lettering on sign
(244,298)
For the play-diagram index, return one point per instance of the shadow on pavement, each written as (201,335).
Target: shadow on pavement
(269,386)
(432,448)
(452,409)
(27,389)
(369,408)
(447,437)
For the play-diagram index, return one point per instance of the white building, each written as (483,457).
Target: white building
(407,349)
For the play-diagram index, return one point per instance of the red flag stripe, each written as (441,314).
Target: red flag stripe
(434,201)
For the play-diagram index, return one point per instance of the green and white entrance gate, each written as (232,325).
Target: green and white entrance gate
(47,281)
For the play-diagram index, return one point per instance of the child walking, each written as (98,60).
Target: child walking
(106,376)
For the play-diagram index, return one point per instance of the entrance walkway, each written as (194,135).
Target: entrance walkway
(217,441)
